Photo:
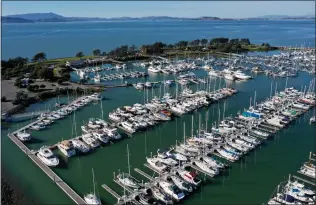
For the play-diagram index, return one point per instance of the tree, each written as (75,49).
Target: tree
(39,57)
(79,54)
(96,52)
(42,86)
(60,81)
(265,45)
(65,76)
(18,82)
(132,49)
(82,81)
(244,41)
(182,44)
(3,99)
(204,42)
(234,41)
(46,73)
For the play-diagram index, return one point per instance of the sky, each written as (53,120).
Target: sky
(223,9)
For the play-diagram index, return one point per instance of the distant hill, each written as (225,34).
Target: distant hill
(5,19)
(52,17)
(283,17)
(37,16)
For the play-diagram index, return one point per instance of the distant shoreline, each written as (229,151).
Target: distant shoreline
(148,20)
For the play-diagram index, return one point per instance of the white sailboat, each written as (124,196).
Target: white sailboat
(92,198)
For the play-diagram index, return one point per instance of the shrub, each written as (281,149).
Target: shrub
(3,99)
(60,81)
(42,86)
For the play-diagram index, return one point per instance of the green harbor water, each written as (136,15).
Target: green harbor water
(249,181)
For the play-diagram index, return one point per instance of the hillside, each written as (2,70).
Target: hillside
(5,19)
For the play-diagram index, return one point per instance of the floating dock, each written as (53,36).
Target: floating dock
(70,192)
(123,186)
(111,191)
(144,174)
(304,180)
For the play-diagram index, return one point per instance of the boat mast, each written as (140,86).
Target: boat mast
(224,110)
(184,133)
(199,124)
(101,110)
(254,100)
(93,181)
(192,127)
(128,162)
(271,90)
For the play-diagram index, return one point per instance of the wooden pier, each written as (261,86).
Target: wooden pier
(70,192)
(111,191)
(143,174)
(123,186)
(153,169)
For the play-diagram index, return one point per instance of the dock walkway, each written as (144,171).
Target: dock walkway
(70,192)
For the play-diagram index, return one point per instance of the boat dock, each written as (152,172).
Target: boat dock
(111,191)
(302,173)
(304,180)
(63,186)
(150,167)
(143,174)
(122,185)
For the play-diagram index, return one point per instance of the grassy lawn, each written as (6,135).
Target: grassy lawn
(62,61)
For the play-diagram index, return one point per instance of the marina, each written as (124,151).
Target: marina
(231,143)
(238,146)
(241,120)
(296,190)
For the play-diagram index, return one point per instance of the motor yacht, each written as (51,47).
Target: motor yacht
(181,184)
(37,127)
(153,69)
(206,167)
(156,164)
(128,126)
(23,136)
(227,154)
(171,190)
(176,156)
(80,146)
(67,148)
(212,162)
(47,157)
(190,177)
(112,132)
(229,76)
(240,75)
(90,140)
(101,136)
(159,195)
(167,160)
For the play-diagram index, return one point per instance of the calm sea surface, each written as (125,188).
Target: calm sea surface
(66,39)
(250,181)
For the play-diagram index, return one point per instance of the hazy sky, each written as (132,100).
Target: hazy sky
(228,9)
